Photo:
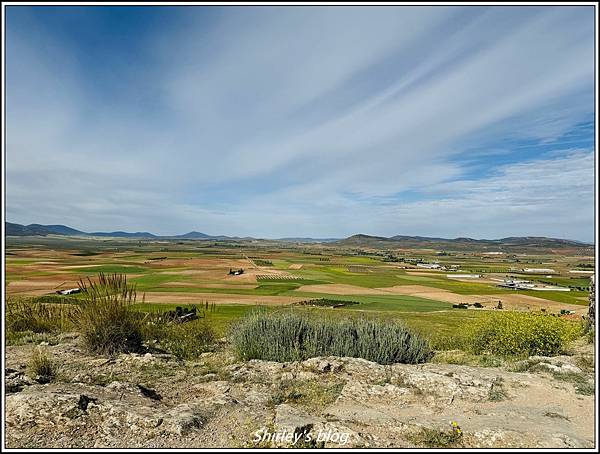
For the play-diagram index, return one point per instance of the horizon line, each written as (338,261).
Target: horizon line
(302,236)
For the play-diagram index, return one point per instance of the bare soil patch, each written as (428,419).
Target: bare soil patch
(410,289)
(33,286)
(87,265)
(475,280)
(200,263)
(36,287)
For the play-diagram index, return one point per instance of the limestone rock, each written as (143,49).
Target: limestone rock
(340,402)
(183,419)
(324,365)
(556,364)
(16,381)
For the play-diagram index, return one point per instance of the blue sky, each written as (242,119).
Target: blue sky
(302,121)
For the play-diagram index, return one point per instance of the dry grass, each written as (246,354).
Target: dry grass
(311,394)
(184,340)
(438,438)
(105,319)
(29,315)
(41,367)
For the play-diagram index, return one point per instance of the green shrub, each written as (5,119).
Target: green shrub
(290,336)
(497,392)
(467,359)
(581,382)
(325,302)
(184,340)
(105,319)
(438,438)
(314,394)
(516,334)
(55,299)
(585,389)
(590,335)
(585,362)
(29,337)
(30,315)
(41,367)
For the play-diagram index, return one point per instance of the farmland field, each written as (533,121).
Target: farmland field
(279,274)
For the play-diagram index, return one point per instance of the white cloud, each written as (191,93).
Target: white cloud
(301,121)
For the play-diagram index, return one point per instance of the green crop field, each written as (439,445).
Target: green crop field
(167,274)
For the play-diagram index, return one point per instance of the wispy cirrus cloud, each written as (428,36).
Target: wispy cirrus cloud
(294,121)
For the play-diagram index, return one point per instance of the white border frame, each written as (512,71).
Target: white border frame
(125,3)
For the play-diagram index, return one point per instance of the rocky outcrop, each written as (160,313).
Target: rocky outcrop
(154,401)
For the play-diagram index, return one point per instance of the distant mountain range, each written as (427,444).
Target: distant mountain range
(309,240)
(38,229)
(12,229)
(499,245)
(360,240)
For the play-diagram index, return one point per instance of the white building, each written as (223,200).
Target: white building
(429,266)
(539,270)
(551,288)
(526,285)
(70,291)
(464,276)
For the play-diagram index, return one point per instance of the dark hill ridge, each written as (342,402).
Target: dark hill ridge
(308,240)
(193,236)
(13,229)
(359,240)
(39,229)
(499,245)
(57,229)
(122,234)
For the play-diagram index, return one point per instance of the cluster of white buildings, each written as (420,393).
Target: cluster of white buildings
(429,266)
(539,270)
(518,284)
(464,276)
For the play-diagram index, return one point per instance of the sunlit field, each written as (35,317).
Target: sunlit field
(276,275)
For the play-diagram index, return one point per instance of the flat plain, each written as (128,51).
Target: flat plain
(194,384)
(276,274)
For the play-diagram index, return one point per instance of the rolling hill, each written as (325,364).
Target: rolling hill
(12,229)
(509,244)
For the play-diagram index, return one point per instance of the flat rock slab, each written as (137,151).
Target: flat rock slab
(217,401)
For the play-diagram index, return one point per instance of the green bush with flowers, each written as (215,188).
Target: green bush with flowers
(520,334)
(511,334)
